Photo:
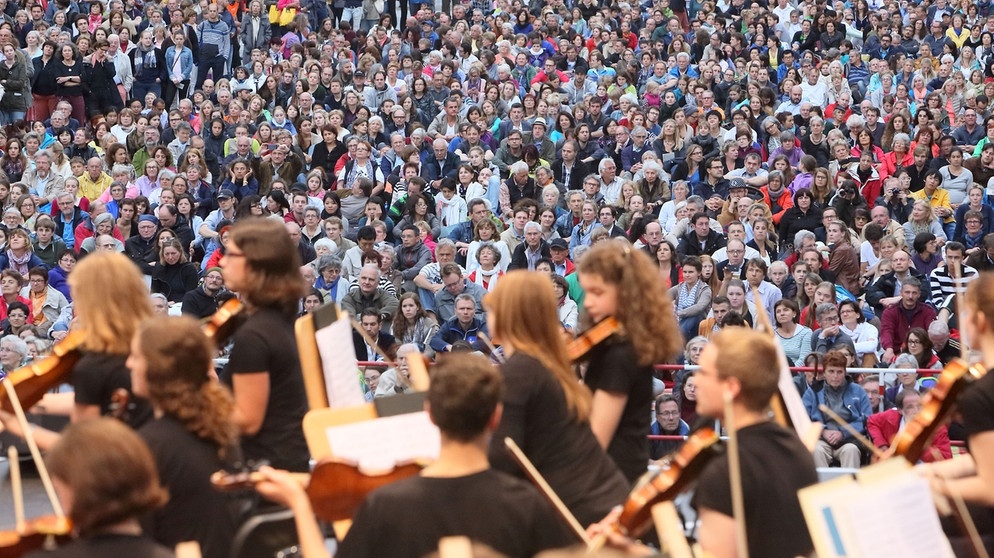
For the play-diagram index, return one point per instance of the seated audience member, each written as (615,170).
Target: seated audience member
(871,385)
(667,423)
(464,326)
(830,333)
(897,320)
(883,427)
(906,380)
(846,399)
(370,296)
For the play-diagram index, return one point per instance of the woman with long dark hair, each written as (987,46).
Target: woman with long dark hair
(262,265)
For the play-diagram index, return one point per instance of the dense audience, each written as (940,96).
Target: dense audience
(825,164)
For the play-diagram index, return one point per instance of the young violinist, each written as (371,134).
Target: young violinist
(774,462)
(546,410)
(105,478)
(623,283)
(191,436)
(457,495)
(105,322)
(971,476)
(262,265)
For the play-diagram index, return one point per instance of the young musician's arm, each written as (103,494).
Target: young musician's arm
(82,411)
(975,488)
(605,414)
(717,534)
(281,487)
(251,400)
(43,437)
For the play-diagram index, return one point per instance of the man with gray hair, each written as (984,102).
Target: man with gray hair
(631,155)
(534,248)
(830,334)
(369,295)
(43,184)
(946,348)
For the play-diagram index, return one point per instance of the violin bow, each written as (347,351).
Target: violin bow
(372,344)
(543,485)
(46,479)
(15,485)
(490,345)
(735,477)
(960,297)
(961,512)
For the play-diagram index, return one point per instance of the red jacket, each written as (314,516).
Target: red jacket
(785,201)
(894,326)
(882,427)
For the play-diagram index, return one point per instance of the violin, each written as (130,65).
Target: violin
(223,323)
(32,381)
(937,406)
(683,468)
(30,535)
(594,336)
(336,488)
(36,534)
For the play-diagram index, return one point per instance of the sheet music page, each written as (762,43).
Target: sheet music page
(380,443)
(338,361)
(897,515)
(888,511)
(792,401)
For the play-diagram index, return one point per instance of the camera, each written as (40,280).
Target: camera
(893,191)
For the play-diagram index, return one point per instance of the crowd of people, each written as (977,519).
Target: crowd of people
(685,167)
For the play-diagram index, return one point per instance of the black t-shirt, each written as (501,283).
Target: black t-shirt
(195,510)
(97,376)
(614,368)
(976,407)
(266,344)
(775,465)
(104,546)
(408,517)
(563,449)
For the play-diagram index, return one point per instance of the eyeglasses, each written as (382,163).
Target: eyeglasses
(233,254)
(669,413)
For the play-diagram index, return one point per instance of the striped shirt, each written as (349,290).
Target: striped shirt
(943,286)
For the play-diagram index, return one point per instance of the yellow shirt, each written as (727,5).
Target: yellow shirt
(91,189)
(940,198)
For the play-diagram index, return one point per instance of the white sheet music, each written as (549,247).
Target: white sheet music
(888,511)
(792,401)
(897,515)
(380,443)
(338,361)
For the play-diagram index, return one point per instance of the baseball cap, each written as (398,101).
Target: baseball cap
(225,194)
(558,244)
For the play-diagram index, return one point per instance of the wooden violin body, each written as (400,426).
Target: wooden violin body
(223,323)
(34,535)
(31,382)
(336,488)
(684,467)
(937,407)
(594,336)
